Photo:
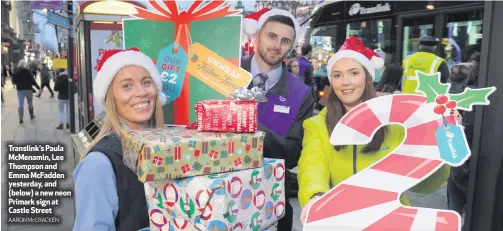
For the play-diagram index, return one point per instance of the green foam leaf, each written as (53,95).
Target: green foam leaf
(470,97)
(430,86)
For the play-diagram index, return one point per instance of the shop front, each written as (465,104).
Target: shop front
(98,28)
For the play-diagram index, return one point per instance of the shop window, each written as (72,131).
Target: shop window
(462,36)
(323,41)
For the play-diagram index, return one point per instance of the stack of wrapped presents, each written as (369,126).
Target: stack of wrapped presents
(210,175)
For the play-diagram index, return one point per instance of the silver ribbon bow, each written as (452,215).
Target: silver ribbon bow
(244,93)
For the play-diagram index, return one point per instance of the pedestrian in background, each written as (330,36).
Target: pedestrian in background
(24,81)
(305,66)
(293,68)
(463,75)
(390,80)
(3,82)
(45,79)
(64,91)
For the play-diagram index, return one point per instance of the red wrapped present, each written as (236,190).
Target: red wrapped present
(238,116)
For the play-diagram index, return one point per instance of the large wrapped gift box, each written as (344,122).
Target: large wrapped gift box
(252,199)
(176,152)
(210,23)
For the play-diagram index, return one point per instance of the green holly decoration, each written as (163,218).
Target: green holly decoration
(431,86)
(159,198)
(469,97)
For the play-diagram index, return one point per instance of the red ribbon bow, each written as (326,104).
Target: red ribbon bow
(208,11)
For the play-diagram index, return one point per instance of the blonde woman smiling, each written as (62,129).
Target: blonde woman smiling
(108,195)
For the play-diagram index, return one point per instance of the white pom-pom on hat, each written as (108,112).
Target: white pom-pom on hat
(250,27)
(162,98)
(377,61)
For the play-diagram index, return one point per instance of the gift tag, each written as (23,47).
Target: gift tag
(281,109)
(452,144)
(172,64)
(215,71)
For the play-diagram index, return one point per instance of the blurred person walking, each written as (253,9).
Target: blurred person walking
(61,86)
(45,79)
(24,81)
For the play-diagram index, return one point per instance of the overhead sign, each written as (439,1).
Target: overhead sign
(111,8)
(359,9)
(50,5)
(59,64)
(58,20)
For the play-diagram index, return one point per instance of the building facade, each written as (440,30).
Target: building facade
(8,34)
(301,9)
(17,29)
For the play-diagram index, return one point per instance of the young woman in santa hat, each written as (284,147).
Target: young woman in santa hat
(351,72)
(108,195)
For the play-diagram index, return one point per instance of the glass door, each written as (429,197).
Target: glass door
(413,29)
(462,36)
(375,34)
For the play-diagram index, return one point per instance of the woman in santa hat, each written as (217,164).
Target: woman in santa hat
(108,195)
(351,72)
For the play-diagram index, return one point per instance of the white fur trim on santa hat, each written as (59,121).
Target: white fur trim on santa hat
(273,12)
(114,64)
(350,54)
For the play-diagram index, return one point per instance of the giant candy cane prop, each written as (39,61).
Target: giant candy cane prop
(369,200)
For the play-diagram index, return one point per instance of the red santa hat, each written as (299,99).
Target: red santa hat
(113,61)
(253,22)
(353,48)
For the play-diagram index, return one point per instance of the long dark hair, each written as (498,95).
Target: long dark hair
(473,76)
(390,79)
(336,110)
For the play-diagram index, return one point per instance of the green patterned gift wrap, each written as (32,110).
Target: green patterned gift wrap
(252,199)
(176,152)
(221,35)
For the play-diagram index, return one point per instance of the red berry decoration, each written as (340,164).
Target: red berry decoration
(451,104)
(441,99)
(439,109)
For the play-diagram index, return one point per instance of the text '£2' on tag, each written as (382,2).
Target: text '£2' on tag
(172,64)
(215,71)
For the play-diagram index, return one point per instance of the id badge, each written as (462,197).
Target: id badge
(281,109)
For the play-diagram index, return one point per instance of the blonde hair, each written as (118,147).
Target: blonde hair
(22,64)
(112,123)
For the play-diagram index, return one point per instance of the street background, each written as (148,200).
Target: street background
(43,130)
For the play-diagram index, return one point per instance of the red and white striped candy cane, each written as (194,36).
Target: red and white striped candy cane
(369,200)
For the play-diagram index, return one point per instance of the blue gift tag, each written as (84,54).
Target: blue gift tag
(452,144)
(144,229)
(172,63)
